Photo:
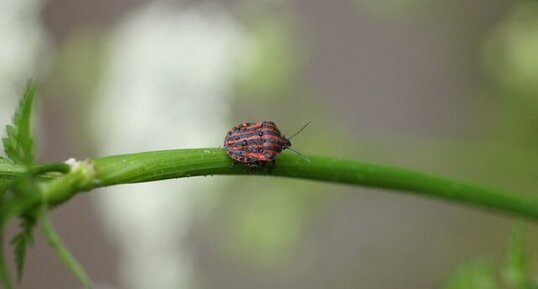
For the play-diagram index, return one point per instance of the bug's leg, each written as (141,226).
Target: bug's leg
(234,163)
(264,165)
(272,166)
(252,166)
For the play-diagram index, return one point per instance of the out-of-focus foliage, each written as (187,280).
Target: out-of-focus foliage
(515,270)
(274,60)
(481,273)
(511,56)
(81,60)
(474,275)
(266,227)
(77,72)
(512,51)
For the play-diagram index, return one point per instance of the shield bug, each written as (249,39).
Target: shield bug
(256,143)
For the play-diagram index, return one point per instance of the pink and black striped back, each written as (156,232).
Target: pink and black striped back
(254,143)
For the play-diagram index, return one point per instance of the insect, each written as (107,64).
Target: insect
(257,143)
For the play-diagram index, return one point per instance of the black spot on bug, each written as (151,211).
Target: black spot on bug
(260,133)
(268,155)
(237,137)
(244,142)
(260,150)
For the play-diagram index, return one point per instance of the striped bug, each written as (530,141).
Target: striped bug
(257,143)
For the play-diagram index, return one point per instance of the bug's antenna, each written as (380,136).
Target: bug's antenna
(299,132)
(300,154)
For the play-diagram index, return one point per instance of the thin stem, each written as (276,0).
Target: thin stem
(12,170)
(63,254)
(46,168)
(161,165)
(152,166)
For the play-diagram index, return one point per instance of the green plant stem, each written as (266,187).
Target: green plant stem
(160,165)
(63,254)
(47,168)
(12,170)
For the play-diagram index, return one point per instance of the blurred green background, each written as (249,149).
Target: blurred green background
(448,87)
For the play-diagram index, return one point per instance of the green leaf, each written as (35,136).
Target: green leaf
(4,185)
(63,254)
(19,143)
(21,241)
(516,266)
(5,279)
(5,161)
(23,187)
(475,275)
